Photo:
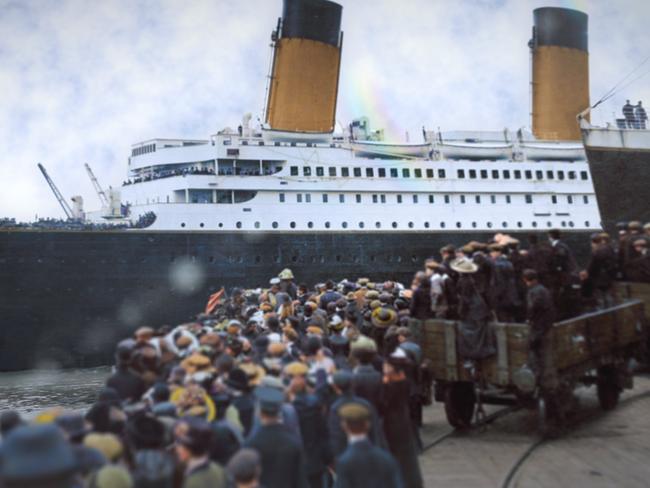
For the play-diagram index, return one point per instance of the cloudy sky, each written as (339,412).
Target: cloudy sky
(80,81)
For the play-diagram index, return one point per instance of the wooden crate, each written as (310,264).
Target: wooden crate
(640,291)
(439,346)
(578,341)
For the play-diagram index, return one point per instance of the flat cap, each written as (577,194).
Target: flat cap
(269,398)
(354,412)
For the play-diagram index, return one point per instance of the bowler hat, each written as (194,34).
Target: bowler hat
(145,432)
(238,380)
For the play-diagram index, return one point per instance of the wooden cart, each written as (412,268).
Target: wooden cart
(595,348)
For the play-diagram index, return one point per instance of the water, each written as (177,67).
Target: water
(30,392)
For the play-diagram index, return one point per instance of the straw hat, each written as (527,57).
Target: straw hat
(463,265)
(383,317)
(286,274)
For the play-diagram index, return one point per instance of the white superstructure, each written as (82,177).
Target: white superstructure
(261,181)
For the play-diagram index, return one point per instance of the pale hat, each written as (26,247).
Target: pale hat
(463,265)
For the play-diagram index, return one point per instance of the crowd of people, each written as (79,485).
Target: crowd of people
(143,221)
(292,386)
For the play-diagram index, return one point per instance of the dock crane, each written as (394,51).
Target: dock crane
(100,193)
(64,205)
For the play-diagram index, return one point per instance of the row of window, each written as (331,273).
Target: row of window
(518,174)
(495,174)
(147,148)
(396,225)
(478,199)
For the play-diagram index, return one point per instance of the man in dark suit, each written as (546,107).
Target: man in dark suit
(362,463)
(541,315)
(342,385)
(563,277)
(313,426)
(283,465)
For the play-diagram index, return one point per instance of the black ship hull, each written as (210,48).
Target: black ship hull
(67,296)
(620,180)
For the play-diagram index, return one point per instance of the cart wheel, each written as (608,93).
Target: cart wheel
(607,387)
(460,400)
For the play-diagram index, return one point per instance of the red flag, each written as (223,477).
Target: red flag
(213,301)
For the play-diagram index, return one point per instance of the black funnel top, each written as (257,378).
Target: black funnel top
(560,27)
(318,20)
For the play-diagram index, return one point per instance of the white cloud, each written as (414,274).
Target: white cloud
(81,81)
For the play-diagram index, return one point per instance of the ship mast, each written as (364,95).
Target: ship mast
(64,205)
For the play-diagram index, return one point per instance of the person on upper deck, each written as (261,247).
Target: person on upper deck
(640,116)
(628,113)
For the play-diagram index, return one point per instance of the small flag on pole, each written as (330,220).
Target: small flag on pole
(214,300)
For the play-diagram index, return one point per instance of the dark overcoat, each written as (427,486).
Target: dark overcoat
(283,464)
(364,464)
(399,432)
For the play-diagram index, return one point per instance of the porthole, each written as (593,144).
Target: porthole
(411,225)
(356,259)
(534,224)
(276,259)
(489,224)
(240,259)
(458,225)
(294,259)
(344,225)
(220,225)
(414,258)
(274,225)
(563,223)
(257,225)
(571,223)
(361,225)
(549,224)
(258,259)
(442,225)
(398,259)
(238,225)
(310,225)
(474,225)
(394,225)
(201,224)
(327,225)
(211,259)
(378,225)
(427,225)
(292,225)
(338,258)
(586,223)
(519,224)
(372,258)
(504,224)
(322,260)
(182,224)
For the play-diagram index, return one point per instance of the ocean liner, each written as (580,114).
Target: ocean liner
(235,208)
(619,154)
